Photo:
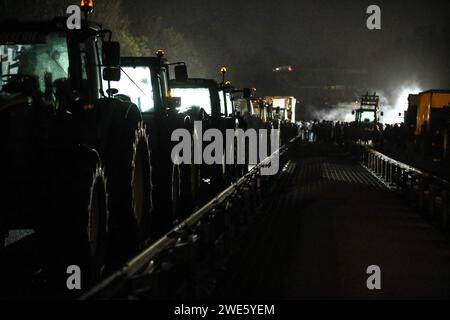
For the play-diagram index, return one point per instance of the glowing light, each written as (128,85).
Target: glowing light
(87,5)
(88,107)
(140,92)
(160,53)
(222,102)
(391,115)
(190,97)
(223,70)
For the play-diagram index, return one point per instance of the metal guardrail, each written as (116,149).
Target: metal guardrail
(175,260)
(429,193)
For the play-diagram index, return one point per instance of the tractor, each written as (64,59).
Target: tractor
(75,162)
(365,128)
(212,103)
(145,82)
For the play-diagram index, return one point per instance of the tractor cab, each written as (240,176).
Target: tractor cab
(145,81)
(368,111)
(365,126)
(55,65)
(202,99)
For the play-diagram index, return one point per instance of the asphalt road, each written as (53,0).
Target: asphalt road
(328,221)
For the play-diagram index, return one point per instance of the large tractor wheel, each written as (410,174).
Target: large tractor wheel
(76,231)
(195,175)
(130,187)
(189,188)
(176,194)
(189,184)
(182,191)
(195,184)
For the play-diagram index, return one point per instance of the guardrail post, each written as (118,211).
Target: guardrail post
(374,163)
(372,166)
(377,163)
(391,173)
(380,167)
(380,173)
(397,177)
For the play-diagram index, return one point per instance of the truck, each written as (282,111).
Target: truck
(432,110)
(429,113)
(75,162)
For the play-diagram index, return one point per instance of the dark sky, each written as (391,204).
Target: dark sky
(335,57)
(326,41)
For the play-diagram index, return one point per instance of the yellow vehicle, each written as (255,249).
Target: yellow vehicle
(432,109)
(428,115)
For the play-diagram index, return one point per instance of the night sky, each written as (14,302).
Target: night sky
(326,41)
(335,57)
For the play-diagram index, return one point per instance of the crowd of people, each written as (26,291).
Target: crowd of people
(394,138)
(390,138)
(426,149)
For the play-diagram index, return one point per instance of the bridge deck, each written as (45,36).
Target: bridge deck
(328,222)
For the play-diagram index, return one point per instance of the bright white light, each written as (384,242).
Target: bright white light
(193,97)
(139,90)
(222,103)
(391,115)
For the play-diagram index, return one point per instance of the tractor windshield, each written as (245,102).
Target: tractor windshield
(36,65)
(367,116)
(190,97)
(136,84)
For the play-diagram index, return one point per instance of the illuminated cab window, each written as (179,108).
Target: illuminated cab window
(136,84)
(367,116)
(45,64)
(222,103)
(193,97)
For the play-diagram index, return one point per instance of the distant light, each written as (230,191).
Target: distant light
(160,53)
(87,5)
(223,70)
(286,68)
